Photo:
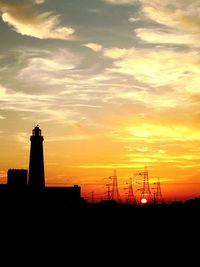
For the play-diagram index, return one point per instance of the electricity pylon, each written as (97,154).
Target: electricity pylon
(158,197)
(131,200)
(115,191)
(146,196)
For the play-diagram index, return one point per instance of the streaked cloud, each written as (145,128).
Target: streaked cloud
(162,132)
(2,91)
(94,46)
(40,63)
(27,21)
(114,166)
(53,85)
(115,52)
(180,21)
(160,36)
(38,2)
(45,107)
(95,11)
(133,19)
(22,137)
(160,67)
(120,2)
(70,138)
(60,68)
(178,14)
(12,100)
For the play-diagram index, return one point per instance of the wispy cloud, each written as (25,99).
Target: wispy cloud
(115,52)
(113,166)
(22,137)
(160,36)
(120,2)
(161,132)
(133,19)
(95,11)
(24,19)
(40,64)
(53,85)
(38,2)
(161,67)
(94,46)
(180,21)
(177,14)
(60,68)
(69,138)
(62,90)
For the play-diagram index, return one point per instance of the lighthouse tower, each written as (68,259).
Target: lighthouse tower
(36,180)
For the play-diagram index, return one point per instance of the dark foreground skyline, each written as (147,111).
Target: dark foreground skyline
(114,85)
(57,216)
(27,188)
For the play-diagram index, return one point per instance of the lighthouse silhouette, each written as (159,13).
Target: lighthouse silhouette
(36,179)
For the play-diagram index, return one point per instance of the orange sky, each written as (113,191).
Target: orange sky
(90,161)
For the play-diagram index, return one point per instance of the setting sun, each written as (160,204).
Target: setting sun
(144,201)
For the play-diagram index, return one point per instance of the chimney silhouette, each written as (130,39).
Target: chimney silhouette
(36,180)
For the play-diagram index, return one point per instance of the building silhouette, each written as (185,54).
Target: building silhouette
(62,196)
(36,179)
(17,180)
(20,193)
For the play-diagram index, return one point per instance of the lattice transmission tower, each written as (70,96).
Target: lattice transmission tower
(159,198)
(131,200)
(146,196)
(115,191)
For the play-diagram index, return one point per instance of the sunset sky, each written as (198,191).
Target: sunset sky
(113,84)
